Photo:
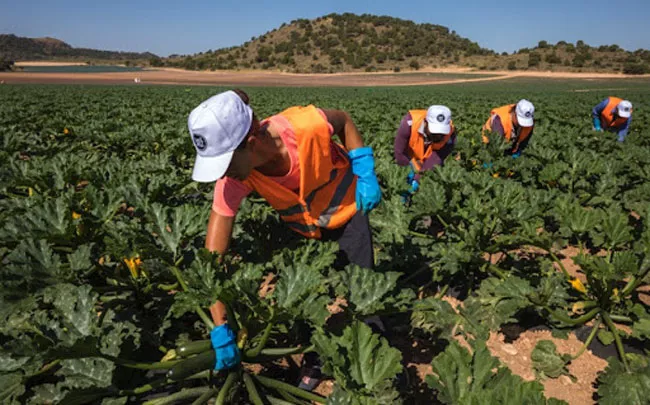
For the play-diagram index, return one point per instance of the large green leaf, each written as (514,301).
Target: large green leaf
(11,387)
(435,316)
(497,301)
(370,292)
(547,362)
(460,377)
(361,361)
(616,386)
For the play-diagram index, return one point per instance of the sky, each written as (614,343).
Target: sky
(174,27)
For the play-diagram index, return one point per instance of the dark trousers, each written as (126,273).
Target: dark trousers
(355,242)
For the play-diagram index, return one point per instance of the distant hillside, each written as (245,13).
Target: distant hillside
(349,42)
(16,48)
(341,42)
(580,57)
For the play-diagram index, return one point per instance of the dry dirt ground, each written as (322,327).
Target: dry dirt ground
(264,78)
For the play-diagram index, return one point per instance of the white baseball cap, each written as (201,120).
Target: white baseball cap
(217,126)
(439,119)
(624,109)
(525,111)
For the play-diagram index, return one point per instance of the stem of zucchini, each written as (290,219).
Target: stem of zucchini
(276,353)
(265,336)
(617,340)
(291,399)
(572,321)
(420,235)
(278,401)
(278,385)
(494,269)
(559,263)
(253,395)
(180,396)
(634,283)
(144,388)
(46,368)
(206,396)
(206,319)
(166,365)
(591,336)
(230,380)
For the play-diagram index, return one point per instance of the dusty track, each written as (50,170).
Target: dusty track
(259,78)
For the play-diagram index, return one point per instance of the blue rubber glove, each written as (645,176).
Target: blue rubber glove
(363,166)
(597,124)
(410,177)
(487,165)
(225,347)
(415,186)
(516,155)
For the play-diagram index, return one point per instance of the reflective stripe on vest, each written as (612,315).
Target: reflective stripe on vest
(607,115)
(335,204)
(326,198)
(418,151)
(505,116)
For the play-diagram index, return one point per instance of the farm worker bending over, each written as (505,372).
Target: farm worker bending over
(424,140)
(613,114)
(320,188)
(514,122)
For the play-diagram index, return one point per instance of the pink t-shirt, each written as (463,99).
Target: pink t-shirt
(229,192)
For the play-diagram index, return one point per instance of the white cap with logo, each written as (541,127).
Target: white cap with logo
(217,127)
(624,109)
(439,119)
(525,111)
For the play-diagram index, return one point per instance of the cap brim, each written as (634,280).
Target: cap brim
(624,114)
(525,122)
(211,168)
(438,128)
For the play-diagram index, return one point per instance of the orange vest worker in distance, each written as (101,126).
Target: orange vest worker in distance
(613,114)
(424,140)
(515,122)
(320,188)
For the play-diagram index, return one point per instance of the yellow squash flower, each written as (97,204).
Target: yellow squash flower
(134,264)
(578,286)
(75,215)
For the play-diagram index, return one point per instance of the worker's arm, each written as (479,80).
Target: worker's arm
(368,193)
(402,141)
(344,128)
(597,110)
(217,240)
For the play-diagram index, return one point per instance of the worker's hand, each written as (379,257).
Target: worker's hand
(487,165)
(597,126)
(415,186)
(225,346)
(368,194)
(516,155)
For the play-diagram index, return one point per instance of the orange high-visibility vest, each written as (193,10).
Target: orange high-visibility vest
(505,116)
(326,198)
(417,149)
(607,115)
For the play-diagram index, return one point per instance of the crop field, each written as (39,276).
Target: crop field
(496,284)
